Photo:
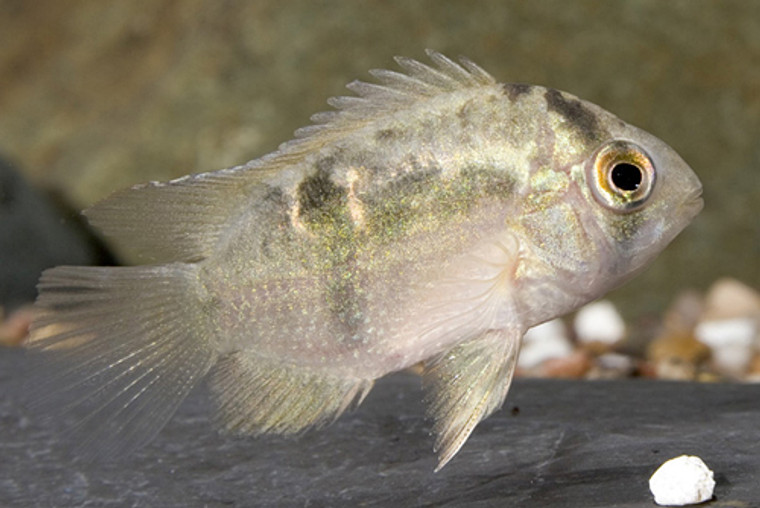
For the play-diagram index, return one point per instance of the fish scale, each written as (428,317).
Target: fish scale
(434,218)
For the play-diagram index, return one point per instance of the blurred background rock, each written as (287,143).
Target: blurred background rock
(36,232)
(96,96)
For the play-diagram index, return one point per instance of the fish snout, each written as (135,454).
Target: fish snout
(694,202)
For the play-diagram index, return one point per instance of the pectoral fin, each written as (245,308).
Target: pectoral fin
(466,384)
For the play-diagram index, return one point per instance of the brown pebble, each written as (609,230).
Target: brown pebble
(15,327)
(647,370)
(677,355)
(574,366)
(753,374)
(613,366)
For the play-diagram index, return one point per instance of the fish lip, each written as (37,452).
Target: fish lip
(694,202)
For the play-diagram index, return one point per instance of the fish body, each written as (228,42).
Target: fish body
(432,218)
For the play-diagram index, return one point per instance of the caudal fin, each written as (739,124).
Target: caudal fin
(120,348)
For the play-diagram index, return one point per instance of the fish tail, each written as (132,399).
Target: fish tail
(119,349)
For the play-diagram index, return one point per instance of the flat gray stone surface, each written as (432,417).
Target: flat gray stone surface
(554,444)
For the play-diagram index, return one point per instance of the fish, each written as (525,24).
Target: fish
(431,218)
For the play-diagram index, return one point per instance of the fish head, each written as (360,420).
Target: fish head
(640,194)
(603,199)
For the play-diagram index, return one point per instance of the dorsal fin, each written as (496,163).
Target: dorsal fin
(184,219)
(395,91)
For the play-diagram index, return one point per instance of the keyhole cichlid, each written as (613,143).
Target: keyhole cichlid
(431,218)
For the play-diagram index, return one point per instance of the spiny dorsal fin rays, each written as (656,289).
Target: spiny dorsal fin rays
(449,75)
(395,90)
(477,72)
(389,98)
(403,82)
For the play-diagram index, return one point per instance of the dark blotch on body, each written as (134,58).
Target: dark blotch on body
(322,207)
(275,207)
(386,135)
(416,181)
(346,300)
(318,195)
(515,90)
(575,113)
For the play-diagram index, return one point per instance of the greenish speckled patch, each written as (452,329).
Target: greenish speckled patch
(427,201)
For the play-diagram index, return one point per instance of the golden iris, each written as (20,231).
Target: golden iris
(621,176)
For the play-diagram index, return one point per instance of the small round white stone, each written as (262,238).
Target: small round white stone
(731,342)
(682,481)
(544,342)
(599,322)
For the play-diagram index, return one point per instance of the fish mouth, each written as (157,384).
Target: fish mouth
(694,202)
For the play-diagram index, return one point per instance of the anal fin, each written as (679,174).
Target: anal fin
(466,384)
(257,395)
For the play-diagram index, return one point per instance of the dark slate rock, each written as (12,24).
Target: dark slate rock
(36,234)
(554,444)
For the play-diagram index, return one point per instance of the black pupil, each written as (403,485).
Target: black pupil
(626,176)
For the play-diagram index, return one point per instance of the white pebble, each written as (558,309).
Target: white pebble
(731,342)
(682,481)
(599,322)
(544,342)
(722,332)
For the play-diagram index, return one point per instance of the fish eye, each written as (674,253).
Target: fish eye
(621,176)
(626,176)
